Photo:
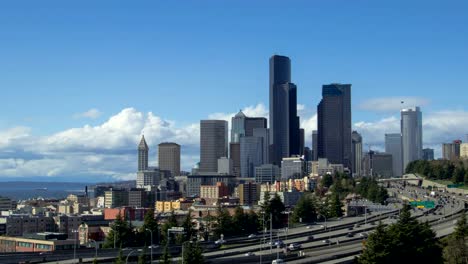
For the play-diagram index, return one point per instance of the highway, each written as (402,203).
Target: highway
(339,245)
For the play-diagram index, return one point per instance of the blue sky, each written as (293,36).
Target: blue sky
(186,60)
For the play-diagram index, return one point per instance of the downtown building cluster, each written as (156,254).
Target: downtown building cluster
(236,168)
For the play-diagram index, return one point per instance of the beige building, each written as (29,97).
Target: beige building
(41,242)
(214,191)
(169,206)
(115,198)
(464,151)
(169,157)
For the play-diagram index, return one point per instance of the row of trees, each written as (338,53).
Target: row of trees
(409,241)
(450,170)
(309,208)
(239,224)
(369,189)
(342,185)
(123,234)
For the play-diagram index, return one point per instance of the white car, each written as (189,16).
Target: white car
(309,227)
(249,254)
(220,241)
(252,236)
(326,241)
(294,246)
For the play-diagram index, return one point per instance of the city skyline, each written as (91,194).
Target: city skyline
(68,128)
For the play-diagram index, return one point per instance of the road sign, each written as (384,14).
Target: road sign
(423,204)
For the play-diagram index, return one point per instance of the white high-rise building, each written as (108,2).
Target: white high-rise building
(411,135)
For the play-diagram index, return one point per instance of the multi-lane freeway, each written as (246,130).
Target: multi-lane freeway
(319,242)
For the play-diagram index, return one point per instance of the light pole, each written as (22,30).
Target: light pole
(126,260)
(96,246)
(151,244)
(76,238)
(287,230)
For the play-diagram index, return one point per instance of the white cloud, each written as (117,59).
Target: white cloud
(373,133)
(438,127)
(389,104)
(108,150)
(92,113)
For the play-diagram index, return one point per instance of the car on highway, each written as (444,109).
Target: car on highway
(220,241)
(252,236)
(363,235)
(153,246)
(350,234)
(310,238)
(308,227)
(350,228)
(326,241)
(277,261)
(294,246)
(249,254)
(278,243)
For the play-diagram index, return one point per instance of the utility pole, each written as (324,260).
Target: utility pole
(271,234)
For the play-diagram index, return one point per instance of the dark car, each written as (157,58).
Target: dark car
(349,234)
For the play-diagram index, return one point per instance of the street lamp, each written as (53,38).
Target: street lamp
(95,245)
(76,238)
(151,244)
(126,260)
(325,221)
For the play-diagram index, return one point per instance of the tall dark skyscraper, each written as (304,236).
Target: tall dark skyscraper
(314,145)
(143,155)
(284,122)
(213,144)
(334,124)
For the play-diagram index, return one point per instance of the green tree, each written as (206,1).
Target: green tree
(122,231)
(120,258)
(377,247)
(458,174)
(304,210)
(456,250)
(252,222)
(149,223)
(142,256)
(275,208)
(193,253)
(336,206)
(165,257)
(188,226)
(406,241)
(327,180)
(170,223)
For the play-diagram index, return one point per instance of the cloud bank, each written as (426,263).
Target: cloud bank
(108,151)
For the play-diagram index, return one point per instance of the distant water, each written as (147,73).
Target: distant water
(27,190)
